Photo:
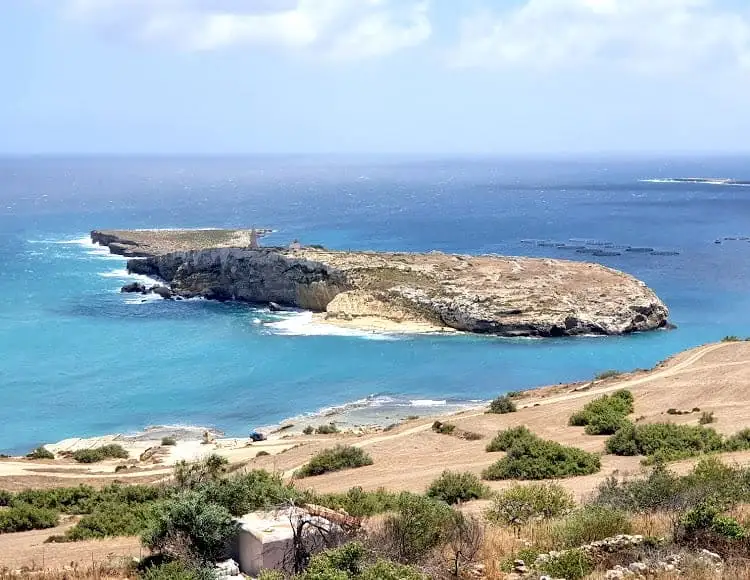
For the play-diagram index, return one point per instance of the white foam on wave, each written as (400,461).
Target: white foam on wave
(124,275)
(428,403)
(303,324)
(142,298)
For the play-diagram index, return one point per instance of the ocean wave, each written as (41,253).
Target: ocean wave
(303,324)
(142,298)
(428,403)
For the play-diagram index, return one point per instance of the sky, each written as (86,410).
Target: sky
(461,77)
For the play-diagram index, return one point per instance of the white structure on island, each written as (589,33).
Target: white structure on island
(295,245)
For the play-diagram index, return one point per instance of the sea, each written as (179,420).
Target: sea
(80,359)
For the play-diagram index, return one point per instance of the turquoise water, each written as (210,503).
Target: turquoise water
(80,359)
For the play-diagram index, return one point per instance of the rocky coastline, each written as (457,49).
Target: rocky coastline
(504,296)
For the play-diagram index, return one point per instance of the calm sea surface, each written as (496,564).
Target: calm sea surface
(79,359)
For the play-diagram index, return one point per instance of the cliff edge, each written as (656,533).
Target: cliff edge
(505,296)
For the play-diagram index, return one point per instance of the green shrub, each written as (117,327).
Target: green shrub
(731,338)
(329,429)
(360,503)
(309,430)
(523,503)
(177,570)
(168,441)
(739,441)
(21,518)
(73,500)
(262,454)
(729,528)
(502,405)
(570,564)
(346,562)
(5,498)
(535,458)
(111,520)
(190,475)
(336,459)
(40,452)
(418,526)
(453,487)
(610,374)
(505,439)
(189,525)
(386,570)
(590,524)
(664,441)
(605,415)
(656,492)
(443,428)
(241,493)
(111,451)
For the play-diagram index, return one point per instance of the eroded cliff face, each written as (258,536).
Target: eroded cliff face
(483,294)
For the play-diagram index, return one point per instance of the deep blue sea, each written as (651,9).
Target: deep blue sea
(80,359)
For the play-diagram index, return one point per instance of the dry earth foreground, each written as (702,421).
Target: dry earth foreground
(409,457)
(398,291)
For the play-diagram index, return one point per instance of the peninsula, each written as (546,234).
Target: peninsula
(505,296)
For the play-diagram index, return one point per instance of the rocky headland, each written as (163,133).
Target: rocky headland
(506,296)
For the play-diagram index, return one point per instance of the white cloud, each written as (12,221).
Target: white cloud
(647,36)
(335,29)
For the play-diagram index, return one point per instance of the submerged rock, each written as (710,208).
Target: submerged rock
(134,288)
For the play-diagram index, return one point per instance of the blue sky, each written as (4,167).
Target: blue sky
(374,76)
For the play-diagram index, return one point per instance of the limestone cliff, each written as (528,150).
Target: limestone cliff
(484,294)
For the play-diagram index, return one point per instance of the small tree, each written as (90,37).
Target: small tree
(190,528)
(502,405)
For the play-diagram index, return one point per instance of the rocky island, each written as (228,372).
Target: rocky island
(506,296)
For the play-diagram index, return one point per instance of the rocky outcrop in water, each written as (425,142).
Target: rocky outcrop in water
(483,294)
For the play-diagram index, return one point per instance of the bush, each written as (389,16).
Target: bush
(664,441)
(523,503)
(83,499)
(309,430)
(605,415)
(530,457)
(5,498)
(610,374)
(21,518)
(590,524)
(111,520)
(360,503)
(111,451)
(177,570)
(242,493)
(262,454)
(452,488)
(329,429)
(729,528)
(190,475)
(707,418)
(505,439)
(168,441)
(502,405)
(731,338)
(189,525)
(336,459)
(570,564)
(418,526)
(739,441)
(386,570)
(443,428)
(40,453)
